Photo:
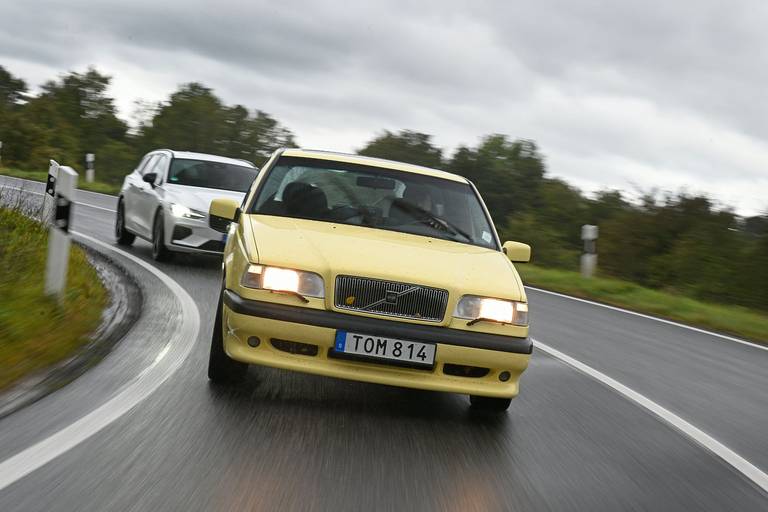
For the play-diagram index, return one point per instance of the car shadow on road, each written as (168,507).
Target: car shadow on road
(413,449)
(282,391)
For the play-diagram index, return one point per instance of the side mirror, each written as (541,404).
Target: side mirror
(517,252)
(150,178)
(222,212)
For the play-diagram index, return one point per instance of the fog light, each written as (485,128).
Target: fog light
(504,376)
(253,341)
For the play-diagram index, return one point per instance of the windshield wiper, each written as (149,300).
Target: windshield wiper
(444,223)
(448,225)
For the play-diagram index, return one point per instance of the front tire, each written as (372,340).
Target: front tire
(122,235)
(221,367)
(159,251)
(489,404)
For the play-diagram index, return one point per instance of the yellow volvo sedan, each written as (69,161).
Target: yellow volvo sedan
(370,270)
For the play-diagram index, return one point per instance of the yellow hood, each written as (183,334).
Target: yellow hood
(333,249)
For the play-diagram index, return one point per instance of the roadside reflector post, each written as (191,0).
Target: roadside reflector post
(589,258)
(90,172)
(50,191)
(58,235)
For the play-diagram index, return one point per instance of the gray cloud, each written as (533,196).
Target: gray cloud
(617,94)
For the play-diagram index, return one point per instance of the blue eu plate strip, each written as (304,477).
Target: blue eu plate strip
(341,340)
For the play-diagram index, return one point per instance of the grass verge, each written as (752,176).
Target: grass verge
(96,186)
(736,320)
(37,331)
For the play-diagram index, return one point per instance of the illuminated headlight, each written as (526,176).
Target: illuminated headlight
(279,279)
(472,307)
(179,210)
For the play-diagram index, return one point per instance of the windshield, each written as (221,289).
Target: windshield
(219,175)
(379,198)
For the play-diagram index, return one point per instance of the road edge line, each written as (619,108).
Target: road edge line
(27,180)
(736,461)
(651,317)
(77,203)
(41,453)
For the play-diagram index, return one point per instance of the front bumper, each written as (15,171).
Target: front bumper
(192,235)
(274,324)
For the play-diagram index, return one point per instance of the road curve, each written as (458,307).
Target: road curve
(290,441)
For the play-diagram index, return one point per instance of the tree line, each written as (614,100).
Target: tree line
(677,242)
(73,115)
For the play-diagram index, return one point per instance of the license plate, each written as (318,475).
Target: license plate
(385,349)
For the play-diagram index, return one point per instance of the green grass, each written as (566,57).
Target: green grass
(736,320)
(37,331)
(96,186)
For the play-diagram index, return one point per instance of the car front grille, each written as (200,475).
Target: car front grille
(390,298)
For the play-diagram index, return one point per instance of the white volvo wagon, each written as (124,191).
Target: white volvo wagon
(165,200)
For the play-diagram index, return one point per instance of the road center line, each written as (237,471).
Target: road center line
(650,317)
(174,353)
(732,458)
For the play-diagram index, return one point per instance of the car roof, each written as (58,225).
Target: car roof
(191,155)
(374,162)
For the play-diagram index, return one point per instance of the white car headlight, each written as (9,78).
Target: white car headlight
(179,210)
(279,279)
(472,307)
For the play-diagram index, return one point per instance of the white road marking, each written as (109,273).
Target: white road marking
(94,206)
(174,353)
(732,458)
(22,189)
(649,317)
(80,190)
(42,184)
(77,203)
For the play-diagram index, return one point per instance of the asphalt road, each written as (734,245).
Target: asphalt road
(287,441)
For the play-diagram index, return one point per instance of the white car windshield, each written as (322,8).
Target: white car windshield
(374,197)
(218,175)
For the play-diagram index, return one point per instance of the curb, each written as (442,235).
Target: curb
(124,308)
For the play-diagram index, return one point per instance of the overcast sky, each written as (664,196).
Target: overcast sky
(630,95)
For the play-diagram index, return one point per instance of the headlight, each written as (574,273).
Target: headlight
(283,280)
(179,210)
(472,307)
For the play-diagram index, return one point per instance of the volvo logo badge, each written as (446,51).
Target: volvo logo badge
(390,297)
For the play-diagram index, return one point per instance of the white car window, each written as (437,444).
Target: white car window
(148,163)
(159,166)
